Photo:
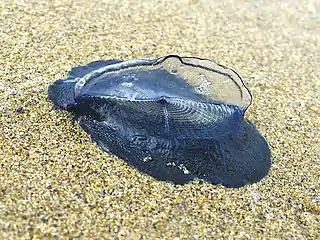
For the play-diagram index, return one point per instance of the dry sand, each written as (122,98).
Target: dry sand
(55,183)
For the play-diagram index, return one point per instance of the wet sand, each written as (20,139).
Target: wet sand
(56,183)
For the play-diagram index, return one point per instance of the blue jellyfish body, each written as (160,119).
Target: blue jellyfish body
(173,118)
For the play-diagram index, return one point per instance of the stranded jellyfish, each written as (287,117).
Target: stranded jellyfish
(174,118)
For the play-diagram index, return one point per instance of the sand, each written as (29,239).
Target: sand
(56,183)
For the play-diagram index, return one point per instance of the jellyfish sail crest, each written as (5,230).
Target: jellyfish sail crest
(194,78)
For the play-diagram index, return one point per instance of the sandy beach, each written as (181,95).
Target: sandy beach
(56,184)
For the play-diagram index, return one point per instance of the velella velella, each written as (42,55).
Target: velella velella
(173,118)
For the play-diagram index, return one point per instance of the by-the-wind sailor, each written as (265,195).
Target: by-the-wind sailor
(174,118)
